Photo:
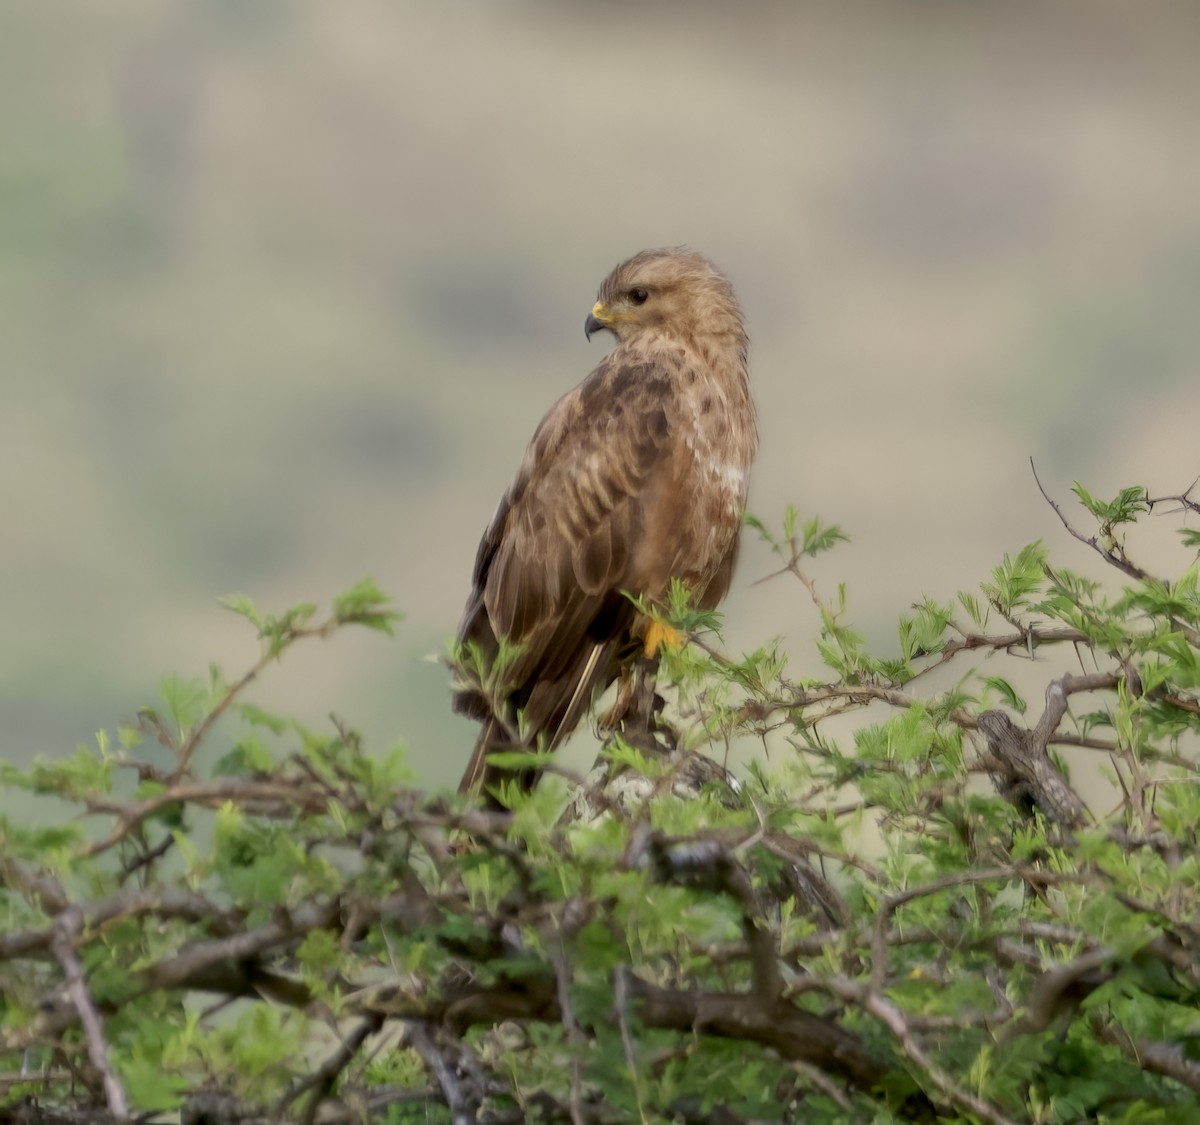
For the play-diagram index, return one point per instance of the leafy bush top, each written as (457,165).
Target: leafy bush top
(921,920)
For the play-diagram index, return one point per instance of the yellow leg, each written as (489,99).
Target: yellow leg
(659,633)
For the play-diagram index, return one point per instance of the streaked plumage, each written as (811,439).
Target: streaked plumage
(636,476)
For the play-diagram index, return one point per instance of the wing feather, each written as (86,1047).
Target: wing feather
(553,562)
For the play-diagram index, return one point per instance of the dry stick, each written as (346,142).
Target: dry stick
(66,928)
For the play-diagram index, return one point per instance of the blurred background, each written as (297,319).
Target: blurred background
(285,287)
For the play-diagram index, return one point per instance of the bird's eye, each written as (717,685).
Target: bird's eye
(638,295)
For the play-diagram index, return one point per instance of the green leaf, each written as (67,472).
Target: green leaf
(1006,692)
(1016,578)
(187,701)
(365,604)
(819,538)
(1125,507)
(243,607)
(520,759)
(150,1087)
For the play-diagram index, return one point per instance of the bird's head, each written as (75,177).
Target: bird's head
(675,293)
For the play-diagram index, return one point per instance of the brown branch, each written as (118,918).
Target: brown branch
(322,1080)
(418,1035)
(1161,1058)
(572,1030)
(1023,772)
(287,796)
(1061,990)
(707,865)
(43,891)
(621,1008)
(1082,743)
(1113,558)
(793,1033)
(67,927)
(1019,639)
(1184,500)
(1182,702)
(269,656)
(161,903)
(182,970)
(887,1013)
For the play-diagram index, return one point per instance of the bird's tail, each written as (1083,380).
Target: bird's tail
(550,718)
(478,776)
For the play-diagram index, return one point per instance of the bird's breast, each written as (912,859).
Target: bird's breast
(718,433)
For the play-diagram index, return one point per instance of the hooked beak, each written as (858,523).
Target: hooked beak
(597,321)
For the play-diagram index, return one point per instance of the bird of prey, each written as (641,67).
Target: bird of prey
(635,477)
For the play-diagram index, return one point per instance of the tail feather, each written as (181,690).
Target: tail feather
(478,776)
(555,713)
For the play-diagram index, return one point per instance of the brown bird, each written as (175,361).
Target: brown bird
(635,477)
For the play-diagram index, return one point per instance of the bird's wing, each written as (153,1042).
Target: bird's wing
(557,554)
(576,513)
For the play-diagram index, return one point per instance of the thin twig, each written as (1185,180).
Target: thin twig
(1111,557)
